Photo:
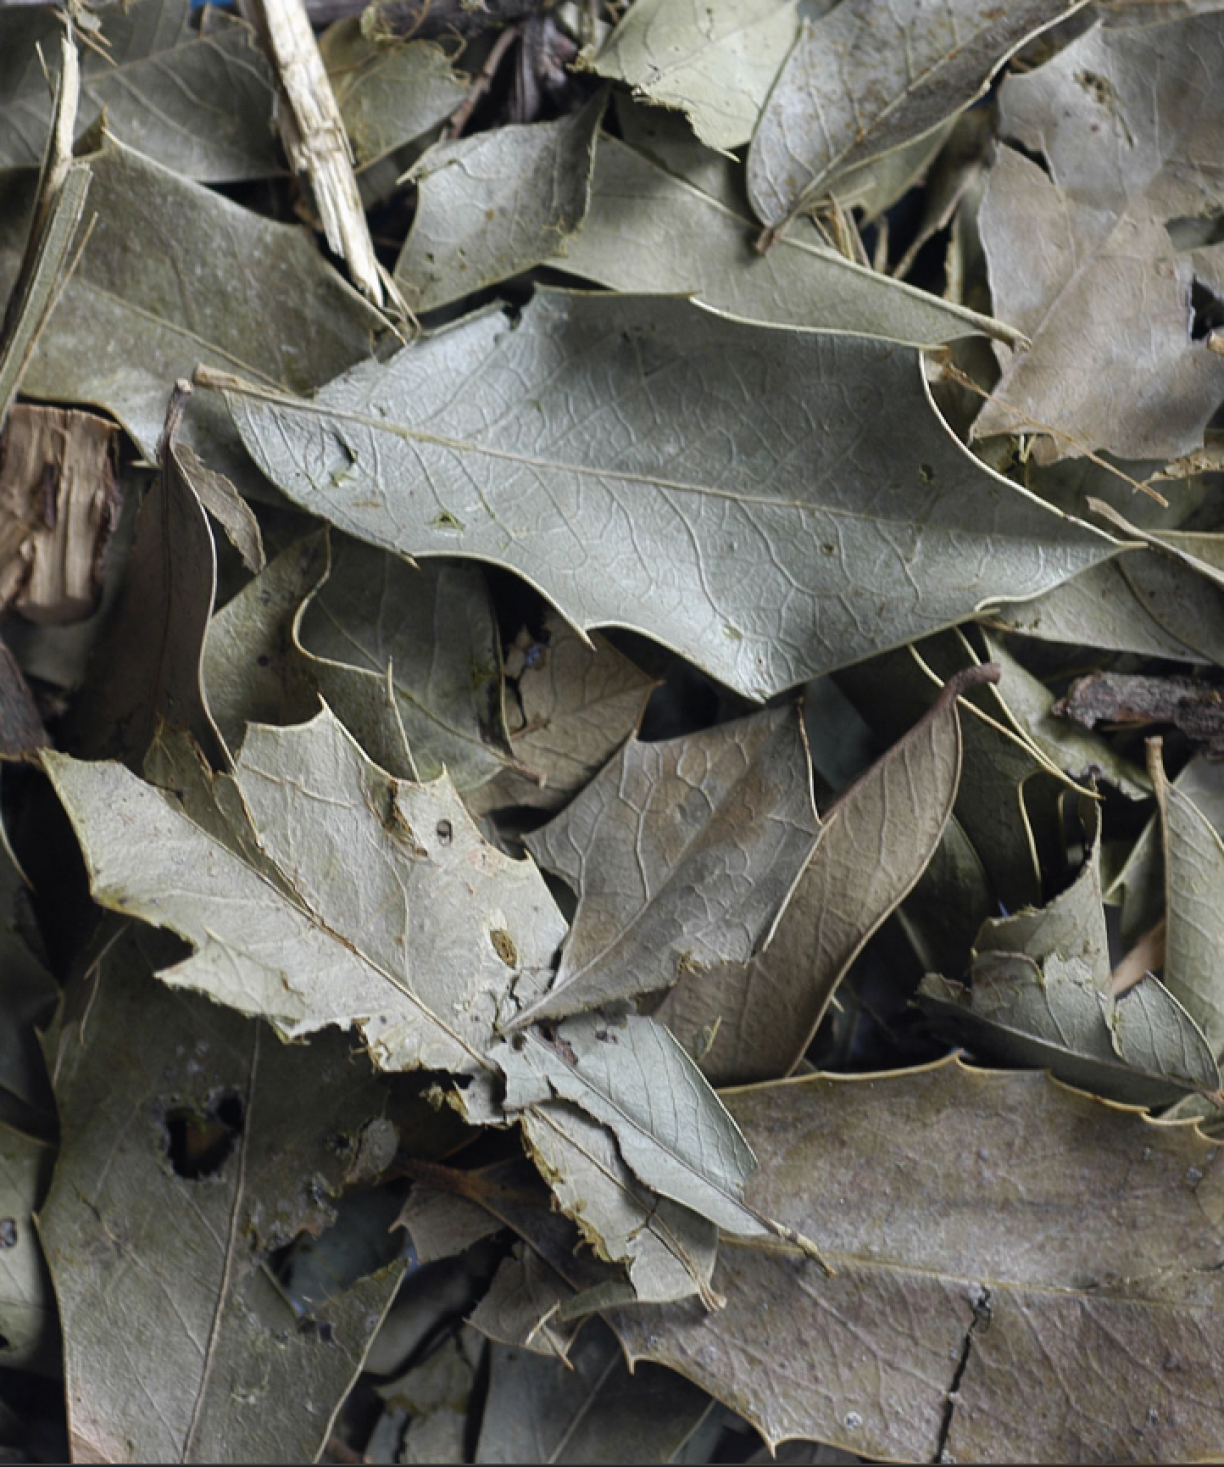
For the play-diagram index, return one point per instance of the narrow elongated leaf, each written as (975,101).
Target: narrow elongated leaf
(496,204)
(861,82)
(1194,906)
(1142,1048)
(877,839)
(1080,258)
(420,954)
(27,1306)
(632,1076)
(574,702)
(937,1324)
(261,300)
(854,523)
(682,853)
(389,92)
(666,1249)
(594,1412)
(185,1145)
(715,60)
(198,101)
(638,237)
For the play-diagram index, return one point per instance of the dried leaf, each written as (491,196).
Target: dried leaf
(420,954)
(938,1323)
(260,297)
(860,83)
(683,854)
(389,92)
(876,842)
(575,701)
(198,102)
(786,553)
(715,61)
(1130,130)
(1141,1048)
(594,1412)
(638,237)
(27,1307)
(182,1159)
(496,204)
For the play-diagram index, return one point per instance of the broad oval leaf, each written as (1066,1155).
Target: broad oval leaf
(615,453)
(420,954)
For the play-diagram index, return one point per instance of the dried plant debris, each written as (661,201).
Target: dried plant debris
(611,758)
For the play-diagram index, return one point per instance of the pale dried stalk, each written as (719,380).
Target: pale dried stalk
(313,134)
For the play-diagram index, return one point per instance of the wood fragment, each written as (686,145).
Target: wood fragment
(59,504)
(1194,706)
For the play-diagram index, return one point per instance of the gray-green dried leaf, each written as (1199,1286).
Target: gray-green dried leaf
(715,61)
(639,235)
(496,204)
(1130,129)
(1194,906)
(390,92)
(876,842)
(575,701)
(682,854)
(1141,1048)
(861,82)
(219,1349)
(197,101)
(594,1412)
(421,954)
(27,1306)
(632,1076)
(923,1183)
(260,299)
(612,452)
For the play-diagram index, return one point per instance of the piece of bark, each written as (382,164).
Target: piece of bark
(21,726)
(59,504)
(1193,706)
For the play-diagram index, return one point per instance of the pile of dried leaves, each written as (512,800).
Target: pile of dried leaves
(805,988)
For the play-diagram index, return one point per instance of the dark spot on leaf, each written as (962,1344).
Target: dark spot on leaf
(926,473)
(263,659)
(320,1329)
(446,832)
(827,549)
(199,1140)
(1099,88)
(8,1232)
(444,520)
(503,946)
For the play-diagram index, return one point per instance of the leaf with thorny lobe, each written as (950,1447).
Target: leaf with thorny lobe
(989,1231)
(682,854)
(638,237)
(614,453)
(755,1020)
(184,1150)
(861,82)
(422,954)
(1081,257)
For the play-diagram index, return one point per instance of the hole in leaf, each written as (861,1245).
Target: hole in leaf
(1206,311)
(199,1142)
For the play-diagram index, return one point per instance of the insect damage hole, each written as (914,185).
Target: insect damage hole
(199,1140)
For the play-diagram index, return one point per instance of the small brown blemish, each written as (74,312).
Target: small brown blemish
(503,946)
